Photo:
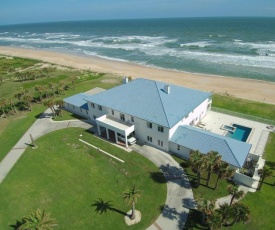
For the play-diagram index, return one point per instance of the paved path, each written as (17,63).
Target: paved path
(179,193)
(40,127)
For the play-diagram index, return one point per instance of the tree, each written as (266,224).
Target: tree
(51,86)
(212,160)
(27,99)
(214,222)
(60,104)
(10,100)
(206,207)
(38,220)
(50,104)
(197,161)
(234,192)
(241,213)
(40,89)
(73,80)
(225,211)
(264,173)
(223,171)
(130,196)
(3,104)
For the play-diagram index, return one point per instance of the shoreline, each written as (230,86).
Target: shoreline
(252,89)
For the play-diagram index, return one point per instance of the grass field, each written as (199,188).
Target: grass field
(65,177)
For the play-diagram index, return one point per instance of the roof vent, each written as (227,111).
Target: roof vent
(125,80)
(167,89)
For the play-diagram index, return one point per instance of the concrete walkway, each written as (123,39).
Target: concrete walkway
(179,192)
(40,127)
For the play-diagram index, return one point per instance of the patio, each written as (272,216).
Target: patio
(214,121)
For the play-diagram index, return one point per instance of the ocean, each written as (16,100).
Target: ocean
(233,47)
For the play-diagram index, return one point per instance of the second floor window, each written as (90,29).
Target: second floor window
(149,125)
(122,116)
(160,129)
(100,108)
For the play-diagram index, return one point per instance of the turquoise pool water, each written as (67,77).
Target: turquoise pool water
(241,133)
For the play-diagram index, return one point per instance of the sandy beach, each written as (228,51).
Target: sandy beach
(238,87)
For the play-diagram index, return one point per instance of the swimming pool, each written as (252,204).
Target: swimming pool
(241,133)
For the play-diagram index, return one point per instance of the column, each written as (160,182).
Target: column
(107,133)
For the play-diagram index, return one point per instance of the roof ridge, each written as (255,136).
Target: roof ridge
(226,141)
(162,105)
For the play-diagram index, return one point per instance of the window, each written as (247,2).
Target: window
(149,125)
(122,116)
(93,105)
(149,139)
(99,107)
(178,147)
(113,112)
(94,117)
(132,119)
(160,143)
(160,129)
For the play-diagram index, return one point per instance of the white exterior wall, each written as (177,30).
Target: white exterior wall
(141,129)
(76,110)
(183,152)
(193,118)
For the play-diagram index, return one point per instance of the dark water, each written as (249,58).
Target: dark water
(236,47)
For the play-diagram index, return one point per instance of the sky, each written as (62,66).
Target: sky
(31,11)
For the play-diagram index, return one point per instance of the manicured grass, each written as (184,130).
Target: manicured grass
(65,177)
(254,108)
(262,203)
(203,190)
(14,126)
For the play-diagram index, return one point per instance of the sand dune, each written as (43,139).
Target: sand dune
(243,88)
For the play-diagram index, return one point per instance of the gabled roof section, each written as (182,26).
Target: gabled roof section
(232,151)
(147,100)
(78,100)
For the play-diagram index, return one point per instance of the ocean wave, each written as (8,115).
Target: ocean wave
(104,57)
(201,44)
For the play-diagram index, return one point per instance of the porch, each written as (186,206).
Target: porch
(111,127)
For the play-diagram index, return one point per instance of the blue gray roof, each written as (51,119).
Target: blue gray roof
(79,100)
(147,100)
(232,151)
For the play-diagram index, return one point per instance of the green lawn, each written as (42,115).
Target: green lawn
(254,108)
(65,177)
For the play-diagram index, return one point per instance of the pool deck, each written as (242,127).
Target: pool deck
(214,122)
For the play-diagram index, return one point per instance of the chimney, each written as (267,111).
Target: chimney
(167,89)
(125,80)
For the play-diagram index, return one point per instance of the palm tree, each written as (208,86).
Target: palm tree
(50,104)
(212,160)
(73,79)
(264,173)
(214,222)
(60,104)
(206,207)
(3,104)
(27,99)
(51,86)
(241,213)
(225,211)
(197,161)
(38,220)
(40,89)
(130,196)
(10,99)
(223,171)
(235,192)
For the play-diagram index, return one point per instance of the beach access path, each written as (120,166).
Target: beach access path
(179,192)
